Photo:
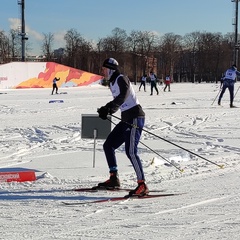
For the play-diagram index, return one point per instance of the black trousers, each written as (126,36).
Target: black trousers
(55,87)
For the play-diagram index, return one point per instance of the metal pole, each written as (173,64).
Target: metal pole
(236,92)
(236,47)
(216,97)
(23,33)
(94,150)
(236,35)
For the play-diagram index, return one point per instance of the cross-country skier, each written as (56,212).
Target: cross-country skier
(143,82)
(55,85)
(153,79)
(167,83)
(228,82)
(127,131)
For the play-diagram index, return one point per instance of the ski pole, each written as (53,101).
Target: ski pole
(236,92)
(216,97)
(176,145)
(181,170)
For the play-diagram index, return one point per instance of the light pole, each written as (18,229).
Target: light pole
(235,23)
(23,33)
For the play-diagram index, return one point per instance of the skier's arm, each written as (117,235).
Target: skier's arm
(238,74)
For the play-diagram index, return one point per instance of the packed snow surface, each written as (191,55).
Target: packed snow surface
(190,145)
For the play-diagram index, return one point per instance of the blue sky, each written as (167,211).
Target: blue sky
(95,19)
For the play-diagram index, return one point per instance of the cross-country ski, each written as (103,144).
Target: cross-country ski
(95,189)
(115,199)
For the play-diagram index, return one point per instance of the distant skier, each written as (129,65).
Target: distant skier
(143,82)
(153,79)
(229,80)
(55,85)
(167,83)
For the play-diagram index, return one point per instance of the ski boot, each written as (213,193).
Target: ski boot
(110,184)
(140,191)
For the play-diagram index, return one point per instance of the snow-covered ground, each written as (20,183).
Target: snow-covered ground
(46,137)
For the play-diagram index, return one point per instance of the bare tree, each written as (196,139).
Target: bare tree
(141,45)
(15,44)
(116,42)
(190,51)
(209,56)
(132,46)
(193,57)
(170,50)
(78,50)
(4,48)
(72,38)
(115,45)
(47,46)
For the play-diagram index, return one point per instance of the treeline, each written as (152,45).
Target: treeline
(197,56)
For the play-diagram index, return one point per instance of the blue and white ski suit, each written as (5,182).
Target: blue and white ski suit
(124,132)
(228,82)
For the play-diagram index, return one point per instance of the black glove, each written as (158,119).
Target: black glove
(103,112)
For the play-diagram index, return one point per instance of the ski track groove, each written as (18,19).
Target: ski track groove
(133,219)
